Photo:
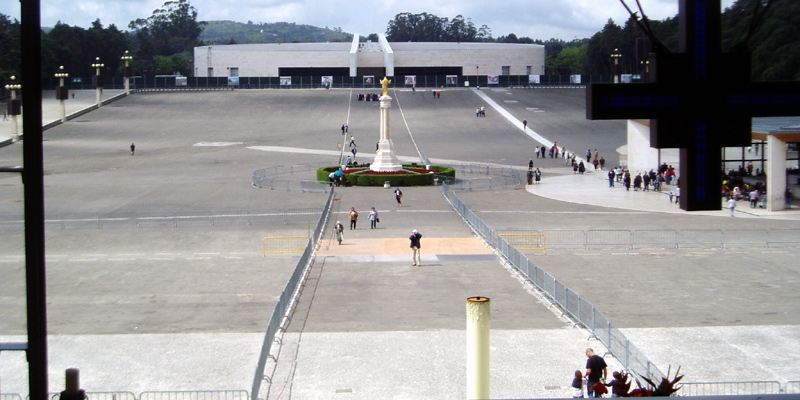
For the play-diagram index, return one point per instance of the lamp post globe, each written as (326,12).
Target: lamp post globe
(14,105)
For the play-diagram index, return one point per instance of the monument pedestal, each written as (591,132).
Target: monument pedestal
(385,159)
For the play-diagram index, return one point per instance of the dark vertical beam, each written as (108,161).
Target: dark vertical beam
(34,198)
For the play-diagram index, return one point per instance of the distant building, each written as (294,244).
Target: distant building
(359,59)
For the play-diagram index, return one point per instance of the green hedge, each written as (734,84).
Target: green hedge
(393,179)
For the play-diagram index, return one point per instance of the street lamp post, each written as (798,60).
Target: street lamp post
(14,106)
(616,55)
(98,79)
(127,57)
(61,91)
(646,69)
(477,80)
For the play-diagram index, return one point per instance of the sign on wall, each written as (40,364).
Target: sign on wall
(326,80)
(451,80)
(493,79)
(575,79)
(180,80)
(534,79)
(369,80)
(286,81)
(232,81)
(411,80)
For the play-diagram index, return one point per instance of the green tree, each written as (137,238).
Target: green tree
(172,29)
(9,48)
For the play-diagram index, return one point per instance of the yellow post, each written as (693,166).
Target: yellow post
(478,326)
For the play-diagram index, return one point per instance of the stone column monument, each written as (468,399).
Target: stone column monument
(385,159)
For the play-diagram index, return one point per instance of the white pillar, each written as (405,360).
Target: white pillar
(478,327)
(127,86)
(776,173)
(61,102)
(385,159)
(14,127)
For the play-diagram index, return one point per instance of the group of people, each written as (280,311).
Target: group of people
(367,97)
(534,175)
(437,94)
(595,379)
(643,181)
(480,112)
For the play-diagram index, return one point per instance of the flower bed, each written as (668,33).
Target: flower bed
(411,175)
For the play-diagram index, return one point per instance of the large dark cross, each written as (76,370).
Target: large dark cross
(700,101)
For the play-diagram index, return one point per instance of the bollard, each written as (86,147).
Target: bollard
(478,326)
(72,390)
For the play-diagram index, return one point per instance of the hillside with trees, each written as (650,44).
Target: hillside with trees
(230,32)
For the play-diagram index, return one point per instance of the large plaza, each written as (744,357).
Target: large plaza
(158,278)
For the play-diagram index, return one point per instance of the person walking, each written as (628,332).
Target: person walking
(343,129)
(595,371)
(537,176)
(537,151)
(398,196)
(611,178)
(577,385)
(415,246)
(524,124)
(373,218)
(133,148)
(731,205)
(338,230)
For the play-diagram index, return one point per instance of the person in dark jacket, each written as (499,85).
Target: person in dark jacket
(415,246)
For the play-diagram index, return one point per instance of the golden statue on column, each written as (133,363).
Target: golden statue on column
(385,159)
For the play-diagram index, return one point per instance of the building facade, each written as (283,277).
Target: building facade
(359,59)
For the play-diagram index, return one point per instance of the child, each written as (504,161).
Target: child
(577,385)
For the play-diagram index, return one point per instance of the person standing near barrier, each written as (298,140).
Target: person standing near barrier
(353,218)
(595,371)
(415,239)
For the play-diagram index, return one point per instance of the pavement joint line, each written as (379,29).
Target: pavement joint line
(408,129)
(159,259)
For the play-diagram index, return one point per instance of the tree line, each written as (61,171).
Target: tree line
(160,44)
(163,43)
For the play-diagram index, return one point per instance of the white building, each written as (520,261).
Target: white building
(358,59)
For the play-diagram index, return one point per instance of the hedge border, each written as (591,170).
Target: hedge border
(393,179)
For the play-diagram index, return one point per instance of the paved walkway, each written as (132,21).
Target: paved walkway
(592,189)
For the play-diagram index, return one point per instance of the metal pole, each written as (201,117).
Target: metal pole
(35,282)
(478,326)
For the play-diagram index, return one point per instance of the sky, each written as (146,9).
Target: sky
(537,19)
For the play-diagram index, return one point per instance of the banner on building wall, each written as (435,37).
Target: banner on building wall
(180,81)
(626,78)
(369,80)
(232,81)
(534,79)
(286,81)
(326,80)
(493,79)
(575,79)
(451,80)
(410,80)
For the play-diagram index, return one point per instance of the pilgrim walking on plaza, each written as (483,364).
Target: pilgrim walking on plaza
(415,239)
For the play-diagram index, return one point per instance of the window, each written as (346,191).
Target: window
(528,70)
(506,70)
(233,71)
(210,71)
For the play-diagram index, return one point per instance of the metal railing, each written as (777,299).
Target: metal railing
(730,388)
(477,177)
(10,396)
(638,239)
(284,178)
(283,306)
(192,395)
(792,387)
(572,303)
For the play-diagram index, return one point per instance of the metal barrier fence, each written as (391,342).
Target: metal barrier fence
(193,395)
(573,304)
(730,388)
(303,216)
(476,177)
(10,396)
(283,178)
(283,306)
(638,239)
(792,387)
